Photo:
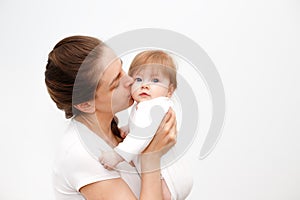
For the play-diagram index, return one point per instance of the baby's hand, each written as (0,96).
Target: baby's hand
(110,159)
(124,130)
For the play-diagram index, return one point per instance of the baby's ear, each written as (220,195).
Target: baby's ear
(170,90)
(86,107)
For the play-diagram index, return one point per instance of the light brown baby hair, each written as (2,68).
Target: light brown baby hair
(155,58)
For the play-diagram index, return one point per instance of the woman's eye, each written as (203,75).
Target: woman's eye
(117,85)
(138,79)
(155,80)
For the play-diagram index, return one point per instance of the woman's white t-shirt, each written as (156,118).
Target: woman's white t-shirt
(77,165)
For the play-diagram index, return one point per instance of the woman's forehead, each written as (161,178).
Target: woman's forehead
(112,70)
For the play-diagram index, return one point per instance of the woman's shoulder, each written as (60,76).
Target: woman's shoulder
(70,151)
(68,143)
(79,146)
(76,164)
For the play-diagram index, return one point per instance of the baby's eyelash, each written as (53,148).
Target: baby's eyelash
(138,79)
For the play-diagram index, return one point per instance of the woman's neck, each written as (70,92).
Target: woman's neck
(100,124)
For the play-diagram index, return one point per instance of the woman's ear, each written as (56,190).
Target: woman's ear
(86,107)
(170,90)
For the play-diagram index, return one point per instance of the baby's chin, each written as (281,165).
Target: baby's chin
(141,99)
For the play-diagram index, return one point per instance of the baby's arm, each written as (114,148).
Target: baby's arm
(139,137)
(134,143)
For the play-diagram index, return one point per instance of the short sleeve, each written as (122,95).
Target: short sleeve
(80,168)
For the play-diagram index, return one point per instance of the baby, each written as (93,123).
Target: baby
(154,74)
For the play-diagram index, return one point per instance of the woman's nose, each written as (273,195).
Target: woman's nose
(129,81)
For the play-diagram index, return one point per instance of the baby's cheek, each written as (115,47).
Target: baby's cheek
(133,94)
(134,89)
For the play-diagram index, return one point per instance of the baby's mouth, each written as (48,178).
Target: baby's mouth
(144,94)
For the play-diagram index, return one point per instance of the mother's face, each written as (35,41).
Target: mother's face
(113,94)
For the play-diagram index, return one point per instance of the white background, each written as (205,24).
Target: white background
(255,46)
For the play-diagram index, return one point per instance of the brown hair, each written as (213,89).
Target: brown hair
(69,57)
(64,62)
(155,57)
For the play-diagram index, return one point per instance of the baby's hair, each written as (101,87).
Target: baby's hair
(155,57)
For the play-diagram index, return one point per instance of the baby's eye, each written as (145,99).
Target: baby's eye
(138,79)
(155,80)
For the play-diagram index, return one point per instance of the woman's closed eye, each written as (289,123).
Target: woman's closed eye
(117,84)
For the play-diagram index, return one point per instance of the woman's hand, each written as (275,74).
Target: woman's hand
(163,140)
(165,136)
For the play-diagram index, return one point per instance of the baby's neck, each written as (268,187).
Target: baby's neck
(138,102)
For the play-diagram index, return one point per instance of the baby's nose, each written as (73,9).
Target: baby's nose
(145,86)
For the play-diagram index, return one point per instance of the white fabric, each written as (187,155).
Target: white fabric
(177,176)
(142,127)
(179,179)
(76,166)
(141,114)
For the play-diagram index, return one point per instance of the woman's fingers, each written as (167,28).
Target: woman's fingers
(170,122)
(165,136)
(166,118)
(171,133)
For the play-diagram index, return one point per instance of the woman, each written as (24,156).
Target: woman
(85,79)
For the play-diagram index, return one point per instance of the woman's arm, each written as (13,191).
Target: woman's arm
(107,189)
(166,192)
(112,189)
(151,187)
(163,140)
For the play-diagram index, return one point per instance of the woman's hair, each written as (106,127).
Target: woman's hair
(155,58)
(70,57)
(64,63)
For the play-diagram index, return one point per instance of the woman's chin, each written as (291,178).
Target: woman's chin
(124,107)
(130,102)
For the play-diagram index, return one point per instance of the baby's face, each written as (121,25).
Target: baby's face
(150,83)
